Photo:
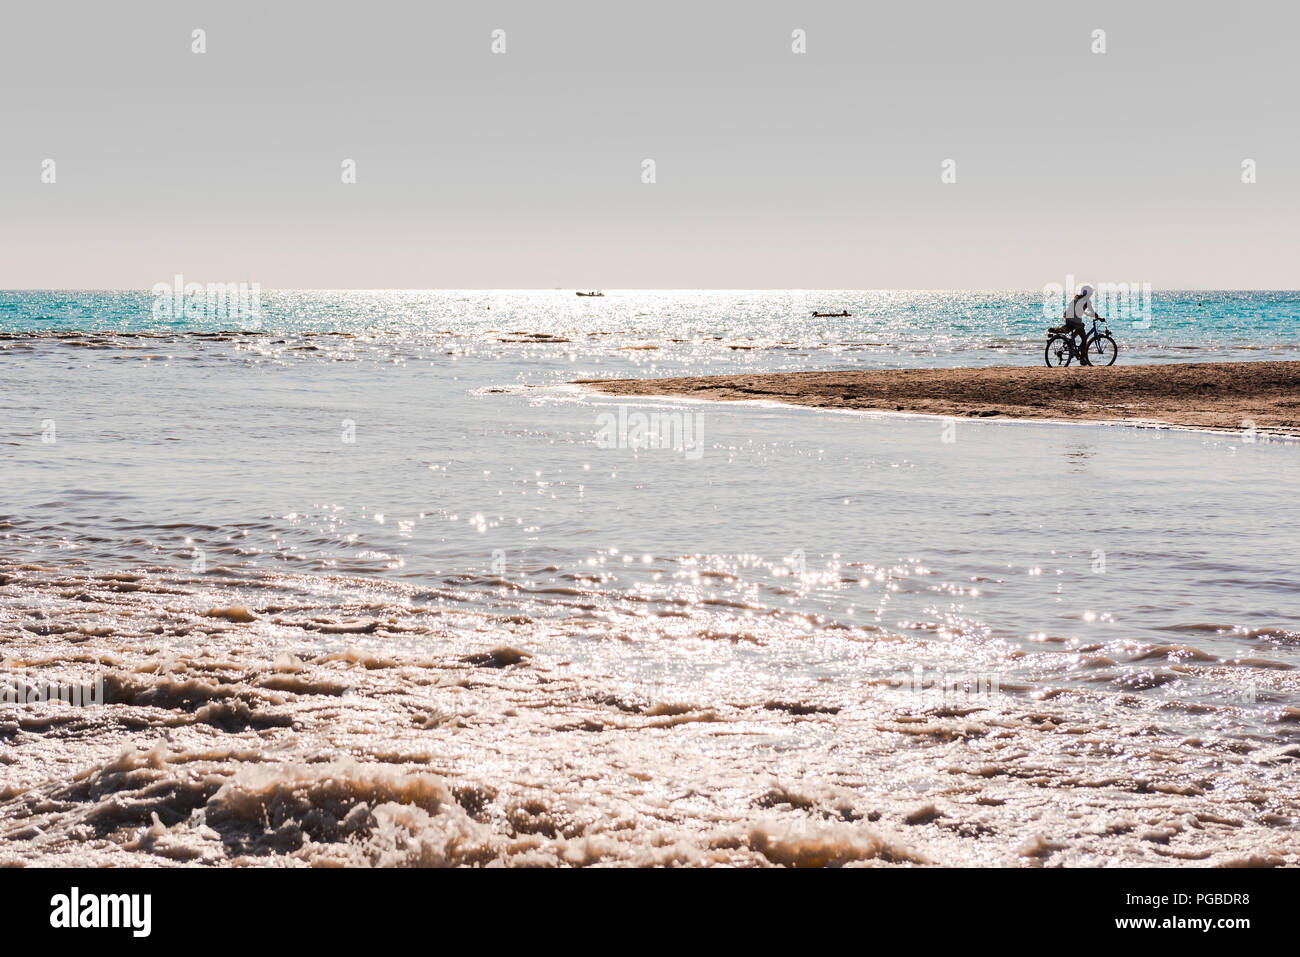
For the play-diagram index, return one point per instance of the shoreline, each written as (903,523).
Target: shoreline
(280,724)
(1217,396)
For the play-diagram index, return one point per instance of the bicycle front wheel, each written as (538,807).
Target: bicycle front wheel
(1102,351)
(1059,352)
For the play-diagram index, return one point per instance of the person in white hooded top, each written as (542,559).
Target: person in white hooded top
(1078,309)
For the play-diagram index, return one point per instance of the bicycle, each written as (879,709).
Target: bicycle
(1099,345)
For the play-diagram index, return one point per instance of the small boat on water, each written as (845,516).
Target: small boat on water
(832,315)
(591,294)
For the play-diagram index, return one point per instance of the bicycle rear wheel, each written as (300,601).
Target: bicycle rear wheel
(1102,351)
(1058,351)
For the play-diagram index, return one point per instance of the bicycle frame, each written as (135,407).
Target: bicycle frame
(1089,337)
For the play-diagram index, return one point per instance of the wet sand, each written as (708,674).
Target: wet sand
(1207,395)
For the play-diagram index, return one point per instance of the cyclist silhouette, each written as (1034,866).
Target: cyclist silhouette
(1079,308)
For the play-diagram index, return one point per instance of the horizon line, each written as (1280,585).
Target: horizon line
(472,289)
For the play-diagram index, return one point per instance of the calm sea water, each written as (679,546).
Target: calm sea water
(420,458)
(429,438)
(886,327)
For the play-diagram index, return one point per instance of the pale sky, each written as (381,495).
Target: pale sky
(774,169)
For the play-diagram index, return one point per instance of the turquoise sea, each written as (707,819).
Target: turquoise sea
(885,326)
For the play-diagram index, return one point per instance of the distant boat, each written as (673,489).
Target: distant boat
(591,294)
(827,315)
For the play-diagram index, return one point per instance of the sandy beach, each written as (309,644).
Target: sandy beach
(587,438)
(1209,395)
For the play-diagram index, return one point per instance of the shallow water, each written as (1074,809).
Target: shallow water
(789,632)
